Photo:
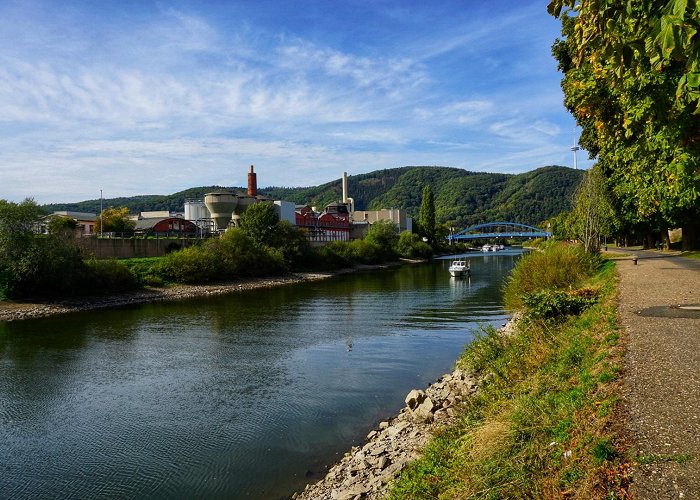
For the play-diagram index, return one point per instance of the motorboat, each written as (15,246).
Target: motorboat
(486,248)
(459,268)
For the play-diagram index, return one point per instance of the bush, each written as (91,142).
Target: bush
(411,246)
(190,265)
(333,256)
(558,267)
(555,304)
(384,234)
(110,276)
(294,245)
(233,255)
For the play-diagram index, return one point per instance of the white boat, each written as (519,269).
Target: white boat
(486,248)
(459,268)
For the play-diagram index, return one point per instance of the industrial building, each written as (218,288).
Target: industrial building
(171,226)
(85,220)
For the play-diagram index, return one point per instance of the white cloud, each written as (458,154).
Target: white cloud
(181,98)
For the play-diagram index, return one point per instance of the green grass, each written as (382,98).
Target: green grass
(541,426)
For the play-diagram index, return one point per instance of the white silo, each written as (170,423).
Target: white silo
(196,210)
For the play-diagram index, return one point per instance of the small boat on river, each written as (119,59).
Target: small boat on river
(459,268)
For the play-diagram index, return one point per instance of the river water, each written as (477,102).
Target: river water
(242,396)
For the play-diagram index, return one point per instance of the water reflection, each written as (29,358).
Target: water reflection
(229,396)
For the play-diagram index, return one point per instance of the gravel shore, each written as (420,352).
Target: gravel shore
(14,311)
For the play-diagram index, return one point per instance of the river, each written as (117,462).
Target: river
(248,395)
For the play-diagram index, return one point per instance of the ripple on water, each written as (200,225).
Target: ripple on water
(227,397)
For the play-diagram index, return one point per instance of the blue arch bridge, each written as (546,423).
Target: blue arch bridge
(500,229)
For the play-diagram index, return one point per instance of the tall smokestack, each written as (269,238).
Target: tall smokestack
(345,187)
(252,183)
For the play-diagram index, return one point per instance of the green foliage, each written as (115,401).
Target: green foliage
(411,246)
(34,266)
(294,245)
(558,267)
(383,234)
(64,226)
(31,264)
(427,214)
(115,220)
(110,276)
(145,270)
(461,196)
(556,304)
(259,221)
(593,215)
(631,81)
(535,428)
(233,255)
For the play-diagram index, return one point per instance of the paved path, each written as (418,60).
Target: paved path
(662,381)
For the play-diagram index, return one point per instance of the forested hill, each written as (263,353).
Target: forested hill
(460,195)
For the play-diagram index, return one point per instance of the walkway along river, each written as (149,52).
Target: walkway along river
(249,395)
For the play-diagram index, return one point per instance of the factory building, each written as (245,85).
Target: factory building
(331,225)
(225,208)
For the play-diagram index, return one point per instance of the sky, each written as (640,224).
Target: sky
(152,97)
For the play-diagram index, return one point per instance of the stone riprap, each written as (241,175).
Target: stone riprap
(366,472)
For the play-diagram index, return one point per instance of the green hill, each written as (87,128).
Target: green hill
(461,196)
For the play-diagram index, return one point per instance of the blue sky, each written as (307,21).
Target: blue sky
(141,97)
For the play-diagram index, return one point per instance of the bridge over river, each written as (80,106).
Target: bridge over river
(500,229)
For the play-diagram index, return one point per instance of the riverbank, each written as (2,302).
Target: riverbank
(545,421)
(16,311)
(367,472)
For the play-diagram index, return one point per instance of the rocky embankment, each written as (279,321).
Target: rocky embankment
(366,472)
(14,311)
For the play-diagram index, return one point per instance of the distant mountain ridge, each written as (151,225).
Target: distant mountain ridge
(460,195)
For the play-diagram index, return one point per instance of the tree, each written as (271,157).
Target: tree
(115,220)
(259,221)
(294,245)
(384,234)
(411,246)
(32,264)
(427,214)
(60,225)
(631,82)
(593,215)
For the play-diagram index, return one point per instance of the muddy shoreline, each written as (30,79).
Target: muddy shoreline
(20,310)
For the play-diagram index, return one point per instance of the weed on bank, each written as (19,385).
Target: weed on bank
(542,425)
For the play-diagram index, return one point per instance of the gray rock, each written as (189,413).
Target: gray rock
(414,398)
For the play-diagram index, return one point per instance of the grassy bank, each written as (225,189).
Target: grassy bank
(543,425)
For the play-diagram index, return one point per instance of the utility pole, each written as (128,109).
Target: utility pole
(101,220)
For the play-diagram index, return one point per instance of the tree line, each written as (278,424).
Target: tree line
(632,82)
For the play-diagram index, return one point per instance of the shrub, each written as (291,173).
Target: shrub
(190,265)
(555,304)
(558,267)
(110,276)
(410,245)
(233,255)
(384,234)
